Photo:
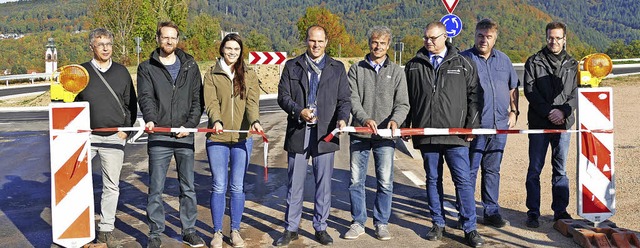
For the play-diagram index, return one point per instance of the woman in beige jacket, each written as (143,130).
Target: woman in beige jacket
(231,94)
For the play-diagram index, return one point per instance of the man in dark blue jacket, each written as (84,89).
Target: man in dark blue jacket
(314,92)
(550,84)
(443,93)
(169,89)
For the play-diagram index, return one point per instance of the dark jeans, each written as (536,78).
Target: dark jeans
(538,144)
(457,158)
(161,148)
(486,153)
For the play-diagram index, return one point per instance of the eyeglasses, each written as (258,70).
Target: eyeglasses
(237,49)
(103,45)
(433,39)
(554,39)
(165,39)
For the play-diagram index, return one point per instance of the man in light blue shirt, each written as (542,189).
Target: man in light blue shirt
(499,83)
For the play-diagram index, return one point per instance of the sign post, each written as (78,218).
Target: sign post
(452,22)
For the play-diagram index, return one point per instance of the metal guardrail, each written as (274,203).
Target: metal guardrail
(32,77)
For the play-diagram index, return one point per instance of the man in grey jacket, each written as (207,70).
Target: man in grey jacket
(379,99)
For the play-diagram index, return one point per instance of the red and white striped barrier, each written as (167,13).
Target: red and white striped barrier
(267,58)
(265,141)
(72,207)
(596,178)
(453,131)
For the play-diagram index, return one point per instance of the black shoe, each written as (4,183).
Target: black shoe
(324,238)
(286,238)
(494,221)
(193,240)
(532,222)
(562,216)
(473,239)
(108,239)
(154,243)
(435,233)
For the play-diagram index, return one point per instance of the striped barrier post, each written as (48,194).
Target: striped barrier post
(72,207)
(596,178)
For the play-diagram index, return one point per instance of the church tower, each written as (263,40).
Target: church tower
(51,57)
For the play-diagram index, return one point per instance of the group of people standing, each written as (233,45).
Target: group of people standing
(441,87)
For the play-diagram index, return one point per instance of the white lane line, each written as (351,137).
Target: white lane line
(414,178)
(451,209)
(271,111)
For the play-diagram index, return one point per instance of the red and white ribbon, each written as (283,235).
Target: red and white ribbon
(265,141)
(451,131)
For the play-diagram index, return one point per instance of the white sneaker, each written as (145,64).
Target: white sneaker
(382,232)
(354,231)
(236,239)
(216,242)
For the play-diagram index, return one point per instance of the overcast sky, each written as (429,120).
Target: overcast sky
(4,1)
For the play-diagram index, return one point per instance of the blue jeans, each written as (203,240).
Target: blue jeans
(538,144)
(161,148)
(383,159)
(219,155)
(486,152)
(457,158)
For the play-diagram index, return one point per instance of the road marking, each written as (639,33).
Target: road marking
(414,178)
(451,209)
(271,111)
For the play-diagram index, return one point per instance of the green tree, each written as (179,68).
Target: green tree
(617,49)
(202,37)
(255,41)
(128,19)
(340,43)
(18,69)
(120,17)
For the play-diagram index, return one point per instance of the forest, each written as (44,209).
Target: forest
(266,25)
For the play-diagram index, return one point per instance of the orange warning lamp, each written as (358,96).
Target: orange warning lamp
(72,79)
(593,68)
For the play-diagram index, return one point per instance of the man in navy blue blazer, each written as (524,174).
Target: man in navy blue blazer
(315,93)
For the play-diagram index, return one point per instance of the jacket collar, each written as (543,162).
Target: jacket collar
(539,58)
(452,51)
(300,61)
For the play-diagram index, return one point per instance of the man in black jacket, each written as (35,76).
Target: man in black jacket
(443,93)
(550,83)
(169,89)
(108,110)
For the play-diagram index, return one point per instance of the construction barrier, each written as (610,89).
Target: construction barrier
(72,206)
(596,177)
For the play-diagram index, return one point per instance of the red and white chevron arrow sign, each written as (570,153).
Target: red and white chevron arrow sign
(267,58)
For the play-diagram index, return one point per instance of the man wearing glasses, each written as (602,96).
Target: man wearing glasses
(169,89)
(443,93)
(550,87)
(108,110)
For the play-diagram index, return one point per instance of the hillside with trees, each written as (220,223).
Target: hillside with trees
(266,25)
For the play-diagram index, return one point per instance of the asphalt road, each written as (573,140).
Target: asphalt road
(25,197)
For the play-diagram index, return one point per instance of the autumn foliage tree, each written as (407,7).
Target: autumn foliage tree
(128,19)
(340,43)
